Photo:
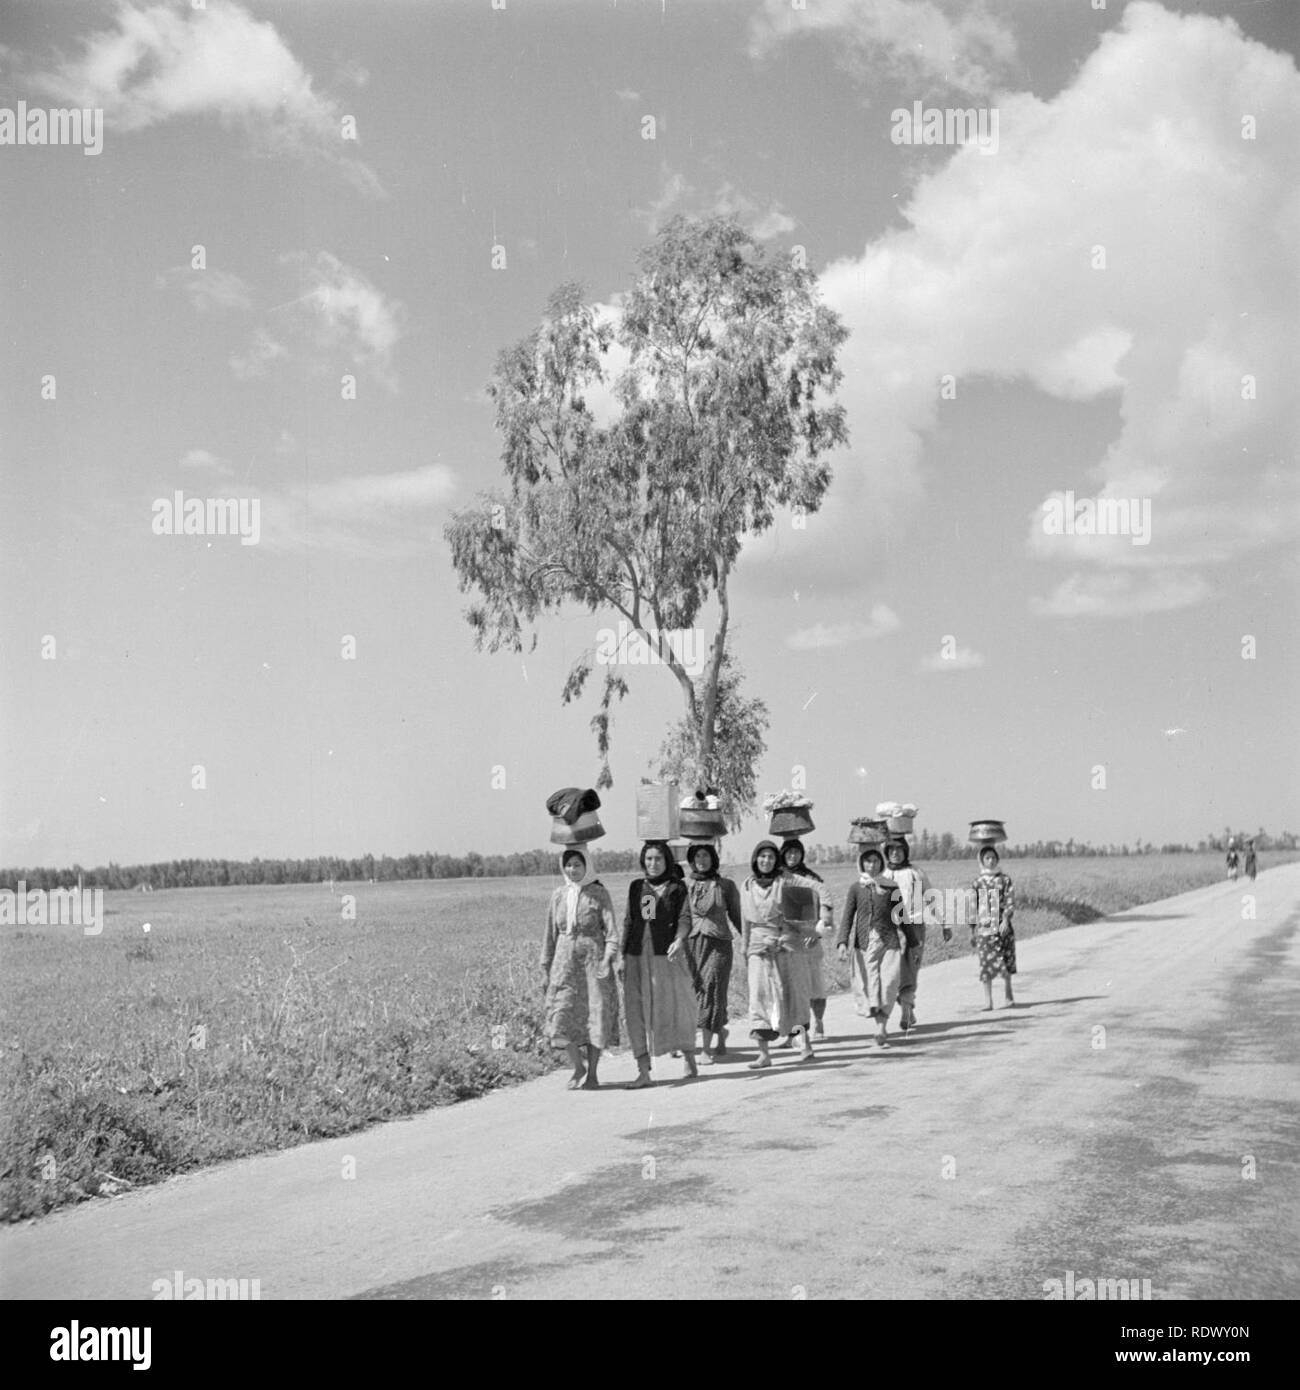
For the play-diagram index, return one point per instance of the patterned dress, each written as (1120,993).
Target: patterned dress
(992,935)
(715,908)
(913,885)
(581,995)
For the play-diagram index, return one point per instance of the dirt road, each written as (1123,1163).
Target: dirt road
(1136,1117)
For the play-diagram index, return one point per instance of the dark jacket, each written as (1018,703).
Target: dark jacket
(671,910)
(864,910)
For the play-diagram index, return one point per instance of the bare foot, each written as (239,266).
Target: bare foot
(591,1085)
(760,1064)
(640,1083)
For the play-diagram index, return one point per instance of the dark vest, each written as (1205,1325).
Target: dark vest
(664,926)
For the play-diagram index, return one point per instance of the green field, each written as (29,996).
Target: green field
(250,1019)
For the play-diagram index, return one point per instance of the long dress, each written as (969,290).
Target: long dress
(581,994)
(875,948)
(808,891)
(715,908)
(779,1001)
(913,885)
(995,938)
(658,996)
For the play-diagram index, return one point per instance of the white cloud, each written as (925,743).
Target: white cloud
(258,357)
(627,94)
(993,277)
(366,515)
(349,313)
(677,195)
(962,659)
(1121,594)
(163,61)
(883,620)
(209,290)
(205,461)
(959,43)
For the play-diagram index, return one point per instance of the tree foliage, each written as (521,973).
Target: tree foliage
(723,417)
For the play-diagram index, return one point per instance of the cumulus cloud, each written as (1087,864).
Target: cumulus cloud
(958,43)
(883,620)
(962,659)
(677,195)
(1188,325)
(161,62)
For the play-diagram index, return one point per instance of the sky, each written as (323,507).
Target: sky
(310,228)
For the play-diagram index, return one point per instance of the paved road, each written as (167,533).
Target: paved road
(985,1155)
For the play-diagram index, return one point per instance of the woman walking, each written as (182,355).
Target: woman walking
(778,984)
(913,885)
(578,955)
(657,993)
(992,933)
(1250,860)
(715,911)
(1233,860)
(869,938)
(792,860)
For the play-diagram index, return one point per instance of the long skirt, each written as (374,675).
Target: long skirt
(815,957)
(710,962)
(779,1001)
(997,954)
(875,977)
(909,967)
(581,1006)
(660,1003)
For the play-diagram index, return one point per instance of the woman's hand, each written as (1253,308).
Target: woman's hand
(674,948)
(842,951)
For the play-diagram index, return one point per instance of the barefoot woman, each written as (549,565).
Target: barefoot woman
(577,958)
(715,910)
(992,934)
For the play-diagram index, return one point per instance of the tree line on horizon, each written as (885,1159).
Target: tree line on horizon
(221,873)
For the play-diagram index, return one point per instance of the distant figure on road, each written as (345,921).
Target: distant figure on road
(913,885)
(992,933)
(869,939)
(792,861)
(778,979)
(1232,860)
(715,911)
(1250,860)
(578,956)
(657,993)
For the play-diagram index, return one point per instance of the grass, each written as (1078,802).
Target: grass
(250,1019)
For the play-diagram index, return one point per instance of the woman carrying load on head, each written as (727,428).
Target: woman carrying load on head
(913,885)
(715,911)
(578,955)
(792,861)
(658,996)
(869,939)
(992,933)
(773,943)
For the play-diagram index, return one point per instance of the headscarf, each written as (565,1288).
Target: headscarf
(765,879)
(988,849)
(802,866)
(669,862)
(572,891)
(907,854)
(870,852)
(703,848)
